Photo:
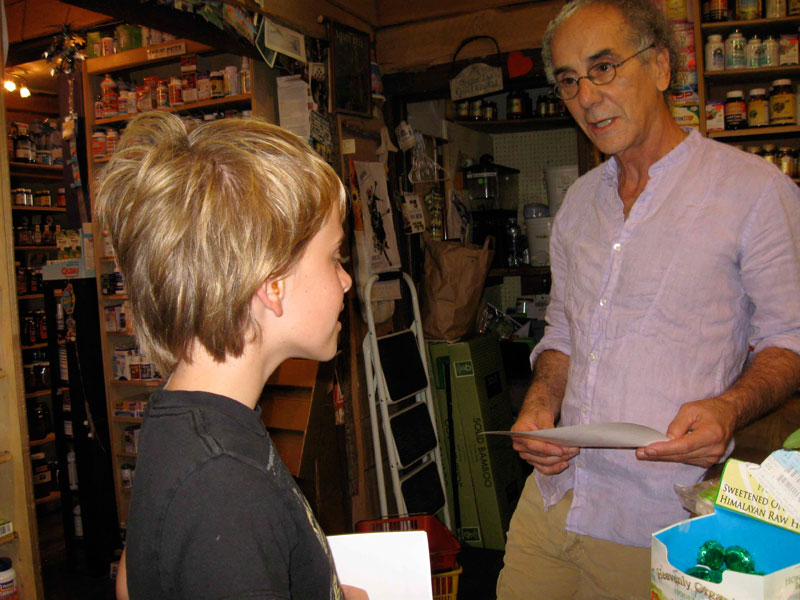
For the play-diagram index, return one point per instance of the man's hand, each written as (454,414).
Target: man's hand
(699,434)
(547,458)
(354,593)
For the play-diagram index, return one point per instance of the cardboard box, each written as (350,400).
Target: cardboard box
(489,472)
(746,515)
(715,115)
(686,114)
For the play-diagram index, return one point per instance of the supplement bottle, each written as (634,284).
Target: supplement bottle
(782,103)
(734,50)
(735,110)
(715,53)
(8,580)
(757,108)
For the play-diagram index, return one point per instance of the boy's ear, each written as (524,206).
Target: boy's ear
(270,293)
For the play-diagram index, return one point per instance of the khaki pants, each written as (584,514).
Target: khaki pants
(544,561)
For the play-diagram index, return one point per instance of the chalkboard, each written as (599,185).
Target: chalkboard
(351,82)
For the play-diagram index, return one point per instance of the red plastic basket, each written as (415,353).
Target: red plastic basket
(442,544)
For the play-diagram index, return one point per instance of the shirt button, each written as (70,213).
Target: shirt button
(579,464)
(585,409)
(617,247)
(603,301)
(592,356)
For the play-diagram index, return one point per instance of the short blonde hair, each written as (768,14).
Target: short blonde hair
(200,218)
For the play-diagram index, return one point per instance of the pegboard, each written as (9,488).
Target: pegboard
(531,152)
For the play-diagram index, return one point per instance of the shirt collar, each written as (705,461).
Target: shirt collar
(687,145)
(230,408)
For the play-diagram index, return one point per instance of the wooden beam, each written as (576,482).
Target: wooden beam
(423,44)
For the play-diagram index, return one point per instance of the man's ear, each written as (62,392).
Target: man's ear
(270,293)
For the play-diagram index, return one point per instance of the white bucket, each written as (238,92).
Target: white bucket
(539,240)
(558,180)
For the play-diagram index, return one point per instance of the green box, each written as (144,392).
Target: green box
(480,402)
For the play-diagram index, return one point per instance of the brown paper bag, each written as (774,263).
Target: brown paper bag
(452,286)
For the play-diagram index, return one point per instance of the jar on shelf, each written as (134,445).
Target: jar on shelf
(42,198)
(175,91)
(162,94)
(61,198)
(23,147)
(110,94)
(793,7)
(735,110)
(99,111)
(717,11)
(747,10)
(754,52)
(771,55)
(757,108)
(787,161)
(734,50)
(99,143)
(515,104)
(217,81)
(462,110)
(112,139)
(715,53)
(775,9)
(769,154)
(490,111)
(782,103)
(42,477)
(476,110)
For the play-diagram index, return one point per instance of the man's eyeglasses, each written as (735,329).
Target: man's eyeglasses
(601,73)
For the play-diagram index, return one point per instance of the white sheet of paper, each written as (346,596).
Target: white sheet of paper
(389,566)
(294,105)
(596,435)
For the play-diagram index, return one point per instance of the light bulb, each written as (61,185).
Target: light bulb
(9,85)
(24,92)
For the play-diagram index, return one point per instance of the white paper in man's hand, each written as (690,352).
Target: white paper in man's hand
(389,566)
(595,435)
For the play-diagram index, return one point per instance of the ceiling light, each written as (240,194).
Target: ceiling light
(10,85)
(24,92)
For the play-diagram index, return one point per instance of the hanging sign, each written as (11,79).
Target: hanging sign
(476,80)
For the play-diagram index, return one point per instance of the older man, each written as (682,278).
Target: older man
(669,262)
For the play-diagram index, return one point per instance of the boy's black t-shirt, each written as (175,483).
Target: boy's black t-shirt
(214,511)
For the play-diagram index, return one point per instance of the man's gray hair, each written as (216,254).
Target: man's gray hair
(648,25)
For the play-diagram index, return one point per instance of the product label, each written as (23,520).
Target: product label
(757,113)
(782,109)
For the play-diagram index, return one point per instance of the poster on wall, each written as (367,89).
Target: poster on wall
(351,80)
(376,214)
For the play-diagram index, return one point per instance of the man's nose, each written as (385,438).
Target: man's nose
(588,92)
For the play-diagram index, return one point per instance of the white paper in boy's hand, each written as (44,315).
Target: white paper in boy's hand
(595,435)
(389,566)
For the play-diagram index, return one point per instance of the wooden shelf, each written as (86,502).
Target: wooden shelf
(16,169)
(752,25)
(51,497)
(241,99)
(50,437)
(116,296)
(30,296)
(518,125)
(139,382)
(40,209)
(35,346)
(126,419)
(38,394)
(35,247)
(138,57)
(776,131)
(8,538)
(751,75)
(5,457)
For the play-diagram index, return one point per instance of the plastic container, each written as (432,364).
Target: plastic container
(557,180)
(445,585)
(443,545)
(8,580)
(539,240)
(715,53)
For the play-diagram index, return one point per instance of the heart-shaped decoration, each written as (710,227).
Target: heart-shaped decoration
(518,64)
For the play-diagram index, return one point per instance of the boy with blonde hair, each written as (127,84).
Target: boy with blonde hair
(228,236)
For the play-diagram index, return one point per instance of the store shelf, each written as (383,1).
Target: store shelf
(138,57)
(518,125)
(139,382)
(8,538)
(38,209)
(30,296)
(126,419)
(51,497)
(50,437)
(38,394)
(5,457)
(35,346)
(241,99)
(35,247)
(752,25)
(751,75)
(116,296)
(759,132)
(16,169)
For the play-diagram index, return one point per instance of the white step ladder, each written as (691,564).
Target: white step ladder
(399,387)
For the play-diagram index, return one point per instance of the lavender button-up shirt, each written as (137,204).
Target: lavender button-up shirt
(659,309)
